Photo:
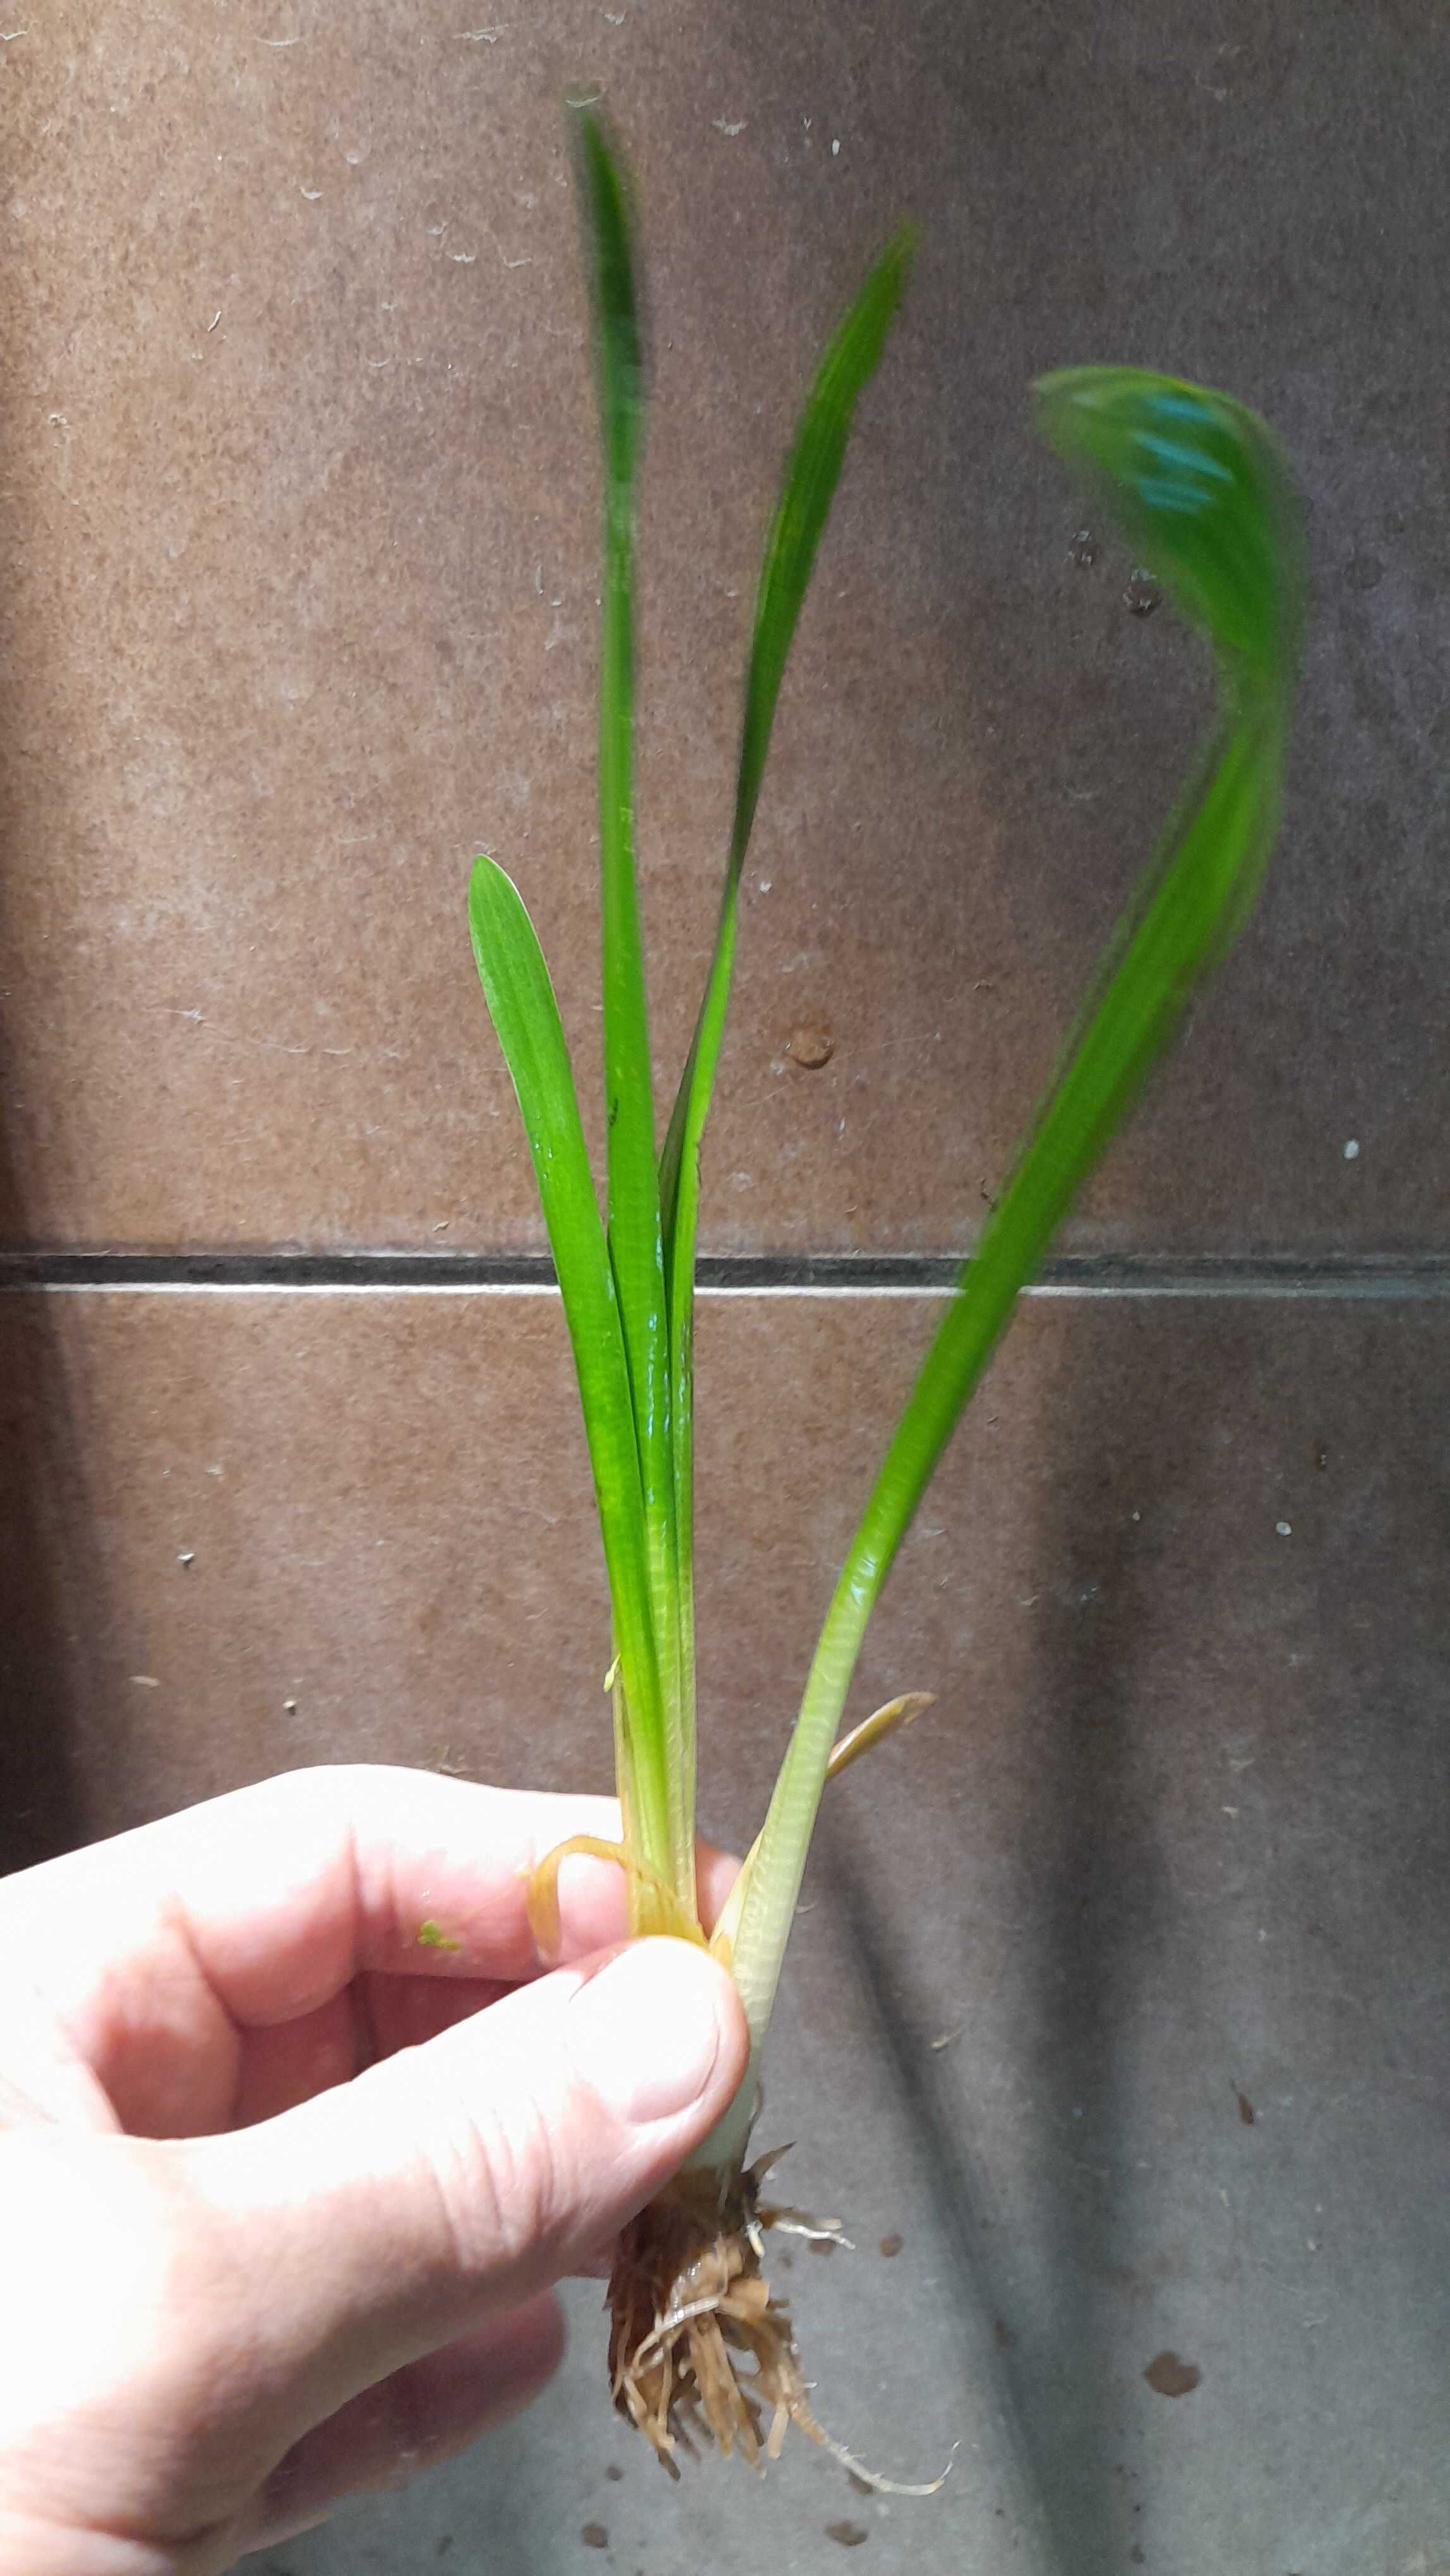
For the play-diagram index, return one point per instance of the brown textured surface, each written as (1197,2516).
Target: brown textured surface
(301,552)
(1178,1825)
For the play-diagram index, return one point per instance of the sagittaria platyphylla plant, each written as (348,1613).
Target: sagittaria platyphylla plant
(699,2346)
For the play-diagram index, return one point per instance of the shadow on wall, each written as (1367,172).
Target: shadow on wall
(1086,1846)
(49,1577)
(1236,1719)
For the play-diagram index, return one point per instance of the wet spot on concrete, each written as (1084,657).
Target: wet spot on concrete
(1171,2377)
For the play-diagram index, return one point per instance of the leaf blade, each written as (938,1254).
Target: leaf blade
(525,1015)
(635,1238)
(1228,548)
(808,484)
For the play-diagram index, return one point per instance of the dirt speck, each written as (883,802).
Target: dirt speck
(1141,594)
(1170,2377)
(1136,2557)
(892,2245)
(1246,2108)
(594,2536)
(811,1044)
(1002,2335)
(849,2534)
(614,2473)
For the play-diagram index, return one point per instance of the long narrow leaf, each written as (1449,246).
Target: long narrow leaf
(525,1016)
(635,1241)
(812,471)
(1199,484)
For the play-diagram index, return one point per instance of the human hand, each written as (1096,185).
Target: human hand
(282,2185)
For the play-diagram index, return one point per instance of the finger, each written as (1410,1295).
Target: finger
(380,2013)
(411,2420)
(161,1948)
(452,2182)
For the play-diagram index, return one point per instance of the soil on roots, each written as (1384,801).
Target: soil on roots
(699,2350)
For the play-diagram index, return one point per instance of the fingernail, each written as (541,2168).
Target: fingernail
(645,2032)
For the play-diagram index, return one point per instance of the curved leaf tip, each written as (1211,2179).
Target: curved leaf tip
(1200,486)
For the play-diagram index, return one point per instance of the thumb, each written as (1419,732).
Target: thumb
(449,2183)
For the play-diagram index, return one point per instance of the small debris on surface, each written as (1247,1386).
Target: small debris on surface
(1141,594)
(289,1708)
(811,1045)
(1351,1149)
(146,1681)
(944,2038)
(431,1936)
(848,2534)
(1246,2109)
(614,2473)
(723,126)
(1167,2376)
(1284,1528)
(186,1556)
(891,2245)
(1083,549)
(594,2536)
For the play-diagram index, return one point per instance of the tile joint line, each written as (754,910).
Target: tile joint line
(1378,1275)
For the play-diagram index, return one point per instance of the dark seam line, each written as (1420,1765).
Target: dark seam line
(1351,1275)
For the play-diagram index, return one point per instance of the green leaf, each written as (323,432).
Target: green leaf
(808,486)
(636,1248)
(525,1016)
(1200,488)
(1215,517)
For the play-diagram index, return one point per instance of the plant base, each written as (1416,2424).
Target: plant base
(698,2348)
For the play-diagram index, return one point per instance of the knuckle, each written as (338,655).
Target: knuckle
(502,2181)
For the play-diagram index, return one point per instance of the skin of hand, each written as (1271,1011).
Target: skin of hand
(296,2130)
